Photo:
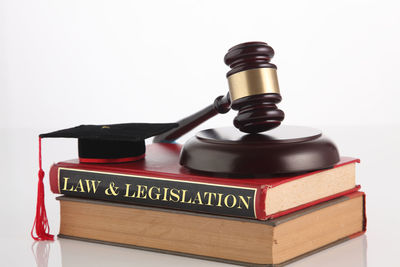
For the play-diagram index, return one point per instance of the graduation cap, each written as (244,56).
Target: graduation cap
(112,143)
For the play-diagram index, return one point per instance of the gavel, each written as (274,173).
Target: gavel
(253,92)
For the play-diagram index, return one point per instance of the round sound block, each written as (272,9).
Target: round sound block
(284,150)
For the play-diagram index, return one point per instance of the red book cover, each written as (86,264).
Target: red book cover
(159,180)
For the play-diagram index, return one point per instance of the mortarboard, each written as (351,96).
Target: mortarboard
(111,143)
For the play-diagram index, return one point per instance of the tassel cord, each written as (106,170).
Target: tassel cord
(41,224)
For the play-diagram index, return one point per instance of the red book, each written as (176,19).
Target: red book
(159,180)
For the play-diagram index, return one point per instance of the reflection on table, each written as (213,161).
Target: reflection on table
(78,253)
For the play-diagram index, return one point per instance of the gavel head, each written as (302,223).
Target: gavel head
(253,87)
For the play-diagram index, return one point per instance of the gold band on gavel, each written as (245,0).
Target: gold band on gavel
(253,82)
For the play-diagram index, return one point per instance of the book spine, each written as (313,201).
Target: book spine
(162,192)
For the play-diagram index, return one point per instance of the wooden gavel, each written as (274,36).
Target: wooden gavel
(253,92)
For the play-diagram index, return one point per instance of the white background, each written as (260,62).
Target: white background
(65,63)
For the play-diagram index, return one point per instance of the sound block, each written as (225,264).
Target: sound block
(284,150)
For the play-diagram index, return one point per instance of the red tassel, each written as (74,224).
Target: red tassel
(41,224)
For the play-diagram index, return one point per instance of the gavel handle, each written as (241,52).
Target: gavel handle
(222,104)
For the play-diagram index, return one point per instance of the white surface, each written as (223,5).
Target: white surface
(64,63)
(377,173)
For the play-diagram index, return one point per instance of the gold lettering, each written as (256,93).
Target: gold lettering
(156,194)
(198,198)
(165,194)
(112,190)
(184,196)
(80,187)
(209,197)
(242,200)
(219,200)
(92,185)
(127,189)
(175,195)
(226,199)
(141,191)
(65,185)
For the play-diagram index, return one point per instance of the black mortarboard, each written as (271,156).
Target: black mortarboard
(112,142)
(97,144)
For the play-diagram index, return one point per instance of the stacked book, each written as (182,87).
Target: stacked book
(158,205)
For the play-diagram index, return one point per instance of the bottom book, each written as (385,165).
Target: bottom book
(227,239)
